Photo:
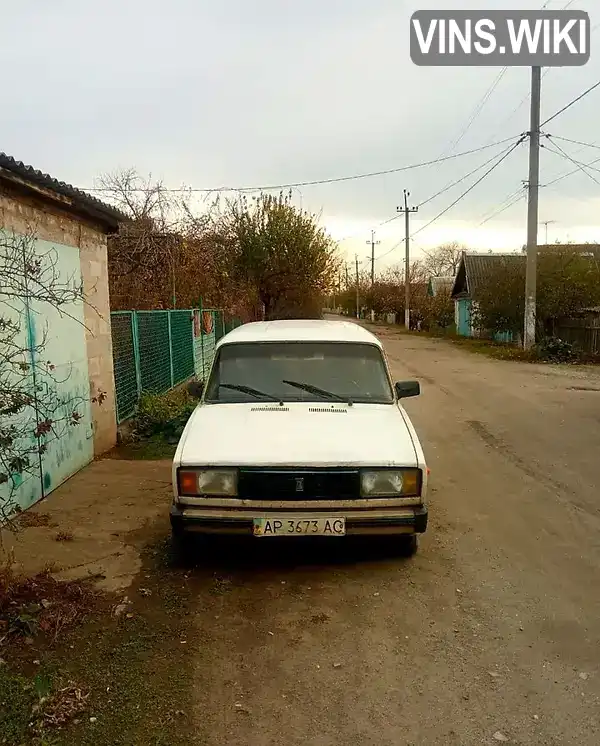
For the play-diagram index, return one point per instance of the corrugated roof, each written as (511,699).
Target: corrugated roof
(476,268)
(81,200)
(441,283)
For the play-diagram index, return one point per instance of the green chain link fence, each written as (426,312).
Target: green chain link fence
(182,348)
(156,350)
(124,361)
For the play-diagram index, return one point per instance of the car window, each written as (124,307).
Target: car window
(292,371)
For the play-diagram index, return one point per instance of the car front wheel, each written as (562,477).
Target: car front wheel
(184,548)
(408,545)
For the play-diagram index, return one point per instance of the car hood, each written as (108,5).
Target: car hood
(297,434)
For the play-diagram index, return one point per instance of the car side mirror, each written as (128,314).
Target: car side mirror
(404,389)
(195,389)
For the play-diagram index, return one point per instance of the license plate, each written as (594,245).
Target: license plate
(299,526)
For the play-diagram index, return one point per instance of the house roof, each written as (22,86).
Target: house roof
(475,268)
(300,330)
(440,283)
(73,198)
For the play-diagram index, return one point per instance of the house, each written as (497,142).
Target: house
(438,285)
(64,231)
(473,271)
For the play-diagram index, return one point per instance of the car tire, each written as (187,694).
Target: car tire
(408,545)
(184,548)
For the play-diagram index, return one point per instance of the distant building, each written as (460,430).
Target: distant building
(473,272)
(439,284)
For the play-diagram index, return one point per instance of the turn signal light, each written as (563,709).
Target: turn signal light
(188,482)
(411,482)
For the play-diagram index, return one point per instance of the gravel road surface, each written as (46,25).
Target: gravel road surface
(491,634)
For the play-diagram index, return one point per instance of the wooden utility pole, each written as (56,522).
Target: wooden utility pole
(407,211)
(532,209)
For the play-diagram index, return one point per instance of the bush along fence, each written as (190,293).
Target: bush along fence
(154,351)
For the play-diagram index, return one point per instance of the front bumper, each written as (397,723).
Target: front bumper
(409,520)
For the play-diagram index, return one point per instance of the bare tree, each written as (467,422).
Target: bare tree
(146,201)
(36,407)
(444,260)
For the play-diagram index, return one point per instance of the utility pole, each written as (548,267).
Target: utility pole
(532,209)
(373,243)
(347,278)
(407,211)
(357,298)
(547,223)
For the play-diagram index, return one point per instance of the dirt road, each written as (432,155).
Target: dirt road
(491,634)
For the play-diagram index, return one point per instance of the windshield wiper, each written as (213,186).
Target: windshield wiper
(249,390)
(316,390)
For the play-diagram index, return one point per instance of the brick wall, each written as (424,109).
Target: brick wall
(21,214)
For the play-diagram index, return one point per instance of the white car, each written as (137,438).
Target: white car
(300,431)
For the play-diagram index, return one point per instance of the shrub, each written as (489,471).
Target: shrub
(555,350)
(163,414)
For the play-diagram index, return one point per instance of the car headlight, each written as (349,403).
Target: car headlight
(390,482)
(217,482)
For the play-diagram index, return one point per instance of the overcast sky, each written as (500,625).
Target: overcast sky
(212,93)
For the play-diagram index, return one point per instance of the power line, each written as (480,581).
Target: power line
(511,200)
(579,165)
(569,173)
(574,101)
(470,189)
(432,197)
(575,142)
(335,180)
(546,71)
(524,100)
(458,181)
(478,108)
(503,157)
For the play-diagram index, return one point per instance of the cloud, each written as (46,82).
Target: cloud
(236,93)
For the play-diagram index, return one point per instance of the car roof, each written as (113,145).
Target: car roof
(300,330)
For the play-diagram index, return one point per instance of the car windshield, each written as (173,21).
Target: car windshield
(299,371)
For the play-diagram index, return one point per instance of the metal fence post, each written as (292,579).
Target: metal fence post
(170,347)
(136,352)
(202,336)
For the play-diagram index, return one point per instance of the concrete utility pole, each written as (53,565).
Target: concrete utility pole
(547,223)
(357,298)
(407,211)
(532,209)
(373,243)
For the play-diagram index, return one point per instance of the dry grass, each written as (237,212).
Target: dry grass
(64,536)
(61,706)
(31,519)
(40,605)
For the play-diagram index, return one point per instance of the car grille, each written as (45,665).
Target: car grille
(299,484)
